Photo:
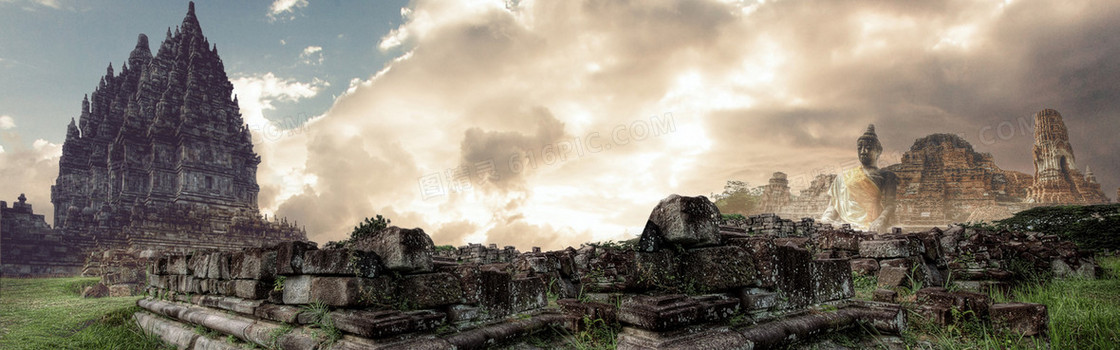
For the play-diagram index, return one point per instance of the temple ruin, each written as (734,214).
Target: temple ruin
(943,180)
(159,159)
(691,281)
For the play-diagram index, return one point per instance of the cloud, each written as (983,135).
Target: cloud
(312,55)
(257,93)
(32,5)
(554,123)
(31,171)
(7,122)
(285,9)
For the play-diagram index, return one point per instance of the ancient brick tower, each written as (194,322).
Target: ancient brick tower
(165,130)
(1057,179)
(776,194)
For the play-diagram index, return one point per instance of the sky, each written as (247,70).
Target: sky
(551,123)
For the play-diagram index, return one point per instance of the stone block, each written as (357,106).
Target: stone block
(121,290)
(717,268)
(463,314)
(381,324)
(1023,318)
(756,299)
(835,239)
(894,276)
(250,289)
(885,296)
(495,298)
(297,290)
(715,307)
(657,270)
(470,282)
(289,257)
(218,266)
(659,313)
(401,250)
(341,292)
(253,263)
(832,280)
(866,266)
(429,290)
(527,294)
(793,276)
(178,265)
(200,263)
(278,313)
(687,221)
(342,262)
(652,239)
(893,248)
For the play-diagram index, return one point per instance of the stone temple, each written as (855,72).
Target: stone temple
(943,180)
(158,159)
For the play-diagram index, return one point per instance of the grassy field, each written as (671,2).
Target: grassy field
(48,313)
(1084,314)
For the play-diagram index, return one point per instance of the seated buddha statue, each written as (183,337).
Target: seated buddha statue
(864,196)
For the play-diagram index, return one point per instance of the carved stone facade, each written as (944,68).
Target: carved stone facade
(1057,178)
(943,180)
(160,158)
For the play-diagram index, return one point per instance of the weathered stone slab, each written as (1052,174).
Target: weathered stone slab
(527,294)
(297,289)
(218,266)
(832,280)
(495,298)
(380,324)
(659,313)
(250,289)
(865,266)
(756,299)
(657,270)
(254,263)
(718,268)
(178,265)
(429,290)
(350,291)
(894,276)
(289,257)
(278,313)
(401,250)
(885,296)
(342,262)
(794,277)
(894,248)
(652,239)
(688,221)
(1023,318)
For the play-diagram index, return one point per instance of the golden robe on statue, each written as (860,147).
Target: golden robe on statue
(856,198)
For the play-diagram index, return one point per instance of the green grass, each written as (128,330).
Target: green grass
(1084,314)
(48,313)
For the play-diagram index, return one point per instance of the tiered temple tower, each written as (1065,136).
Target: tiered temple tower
(1057,179)
(165,130)
(160,157)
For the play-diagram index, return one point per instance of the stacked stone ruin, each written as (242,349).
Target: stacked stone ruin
(686,283)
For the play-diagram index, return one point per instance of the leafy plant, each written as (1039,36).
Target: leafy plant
(278,283)
(321,318)
(369,227)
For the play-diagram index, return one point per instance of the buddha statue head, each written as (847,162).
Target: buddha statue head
(869,148)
